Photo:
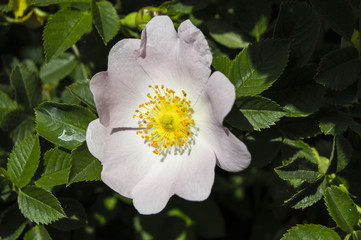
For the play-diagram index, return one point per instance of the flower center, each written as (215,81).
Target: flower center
(165,119)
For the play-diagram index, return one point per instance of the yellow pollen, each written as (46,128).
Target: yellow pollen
(166,119)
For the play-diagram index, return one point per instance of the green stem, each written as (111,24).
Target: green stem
(347,236)
(82,66)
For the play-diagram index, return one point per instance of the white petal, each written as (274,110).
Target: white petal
(119,91)
(189,176)
(196,174)
(209,112)
(125,157)
(232,154)
(222,95)
(175,60)
(96,138)
(194,37)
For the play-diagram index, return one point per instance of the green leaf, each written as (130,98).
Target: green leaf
(336,13)
(63,30)
(257,67)
(222,64)
(339,69)
(310,232)
(49,2)
(76,216)
(309,195)
(298,22)
(27,86)
(227,35)
(84,167)
(341,208)
(6,105)
(25,129)
(300,169)
(334,124)
(259,28)
(57,168)
(63,124)
(297,92)
(356,235)
(259,111)
(37,233)
(23,161)
(293,149)
(12,223)
(105,19)
(81,90)
(39,205)
(58,68)
(341,154)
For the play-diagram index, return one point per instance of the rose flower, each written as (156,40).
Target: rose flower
(160,131)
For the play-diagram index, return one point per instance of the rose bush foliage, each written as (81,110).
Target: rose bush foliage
(294,67)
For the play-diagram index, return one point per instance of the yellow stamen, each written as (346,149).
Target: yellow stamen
(167,119)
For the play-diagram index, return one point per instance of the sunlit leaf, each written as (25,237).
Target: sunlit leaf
(64,29)
(299,169)
(222,64)
(341,154)
(309,195)
(105,19)
(58,68)
(259,111)
(258,66)
(334,124)
(57,168)
(81,90)
(341,208)
(63,124)
(23,161)
(84,167)
(39,205)
(6,105)
(225,34)
(37,233)
(310,232)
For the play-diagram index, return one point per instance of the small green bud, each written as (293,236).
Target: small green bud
(145,14)
(129,20)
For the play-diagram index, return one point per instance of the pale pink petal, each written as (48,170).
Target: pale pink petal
(179,61)
(189,176)
(232,154)
(222,95)
(196,175)
(123,154)
(96,138)
(119,91)
(209,112)
(194,37)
